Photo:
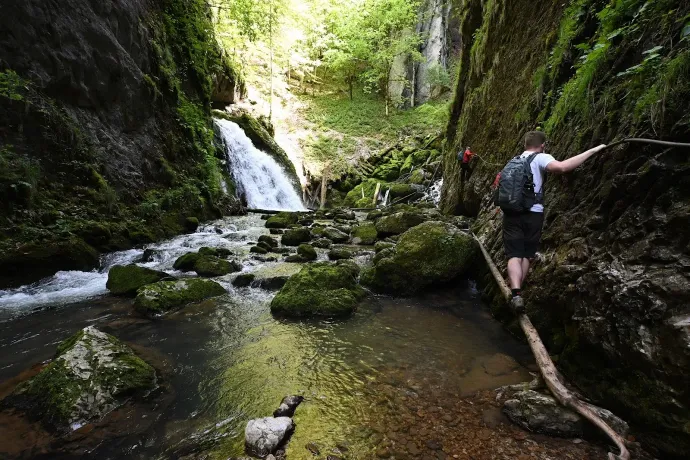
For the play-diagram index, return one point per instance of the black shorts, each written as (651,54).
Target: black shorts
(465,166)
(521,234)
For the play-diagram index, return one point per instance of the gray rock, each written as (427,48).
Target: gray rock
(335,235)
(288,405)
(263,436)
(543,414)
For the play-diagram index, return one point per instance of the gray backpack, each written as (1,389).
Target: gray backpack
(515,191)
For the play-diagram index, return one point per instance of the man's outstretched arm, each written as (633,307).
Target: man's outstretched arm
(560,167)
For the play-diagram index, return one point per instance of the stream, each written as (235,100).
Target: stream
(227,360)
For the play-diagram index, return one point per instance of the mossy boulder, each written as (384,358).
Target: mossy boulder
(164,296)
(364,233)
(92,374)
(243,280)
(37,260)
(430,253)
(397,223)
(417,177)
(381,245)
(209,266)
(216,252)
(322,243)
(320,289)
(387,172)
(272,242)
(191,224)
(363,194)
(306,251)
(405,192)
(258,250)
(295,236)
(282,220)
(335,235)
(339,254)
(186,262)
(124,280)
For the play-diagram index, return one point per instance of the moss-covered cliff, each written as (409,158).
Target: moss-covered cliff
(611,295)
(105,131)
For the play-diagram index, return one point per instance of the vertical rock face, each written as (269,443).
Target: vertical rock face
(611,293)
(413,83)
(105,122)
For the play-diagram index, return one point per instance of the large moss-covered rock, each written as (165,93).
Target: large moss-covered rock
(295,236)
(164,296)
(306,251)
(319,289)
(364,233)
(209,266)
(340,254)
(186,262)
(92,374)
(430,253)
(397,223)
(124,280)
(35,260)
(282,220)
(335,235)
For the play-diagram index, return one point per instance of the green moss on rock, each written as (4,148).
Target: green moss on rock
(124,280)
(397,223)
(295,236)
(186,262)
(91,374)
(319,289)
(364,233)
(164,296)
(339,254)
(306,251)
(282,220)
(209,266)
(430,253)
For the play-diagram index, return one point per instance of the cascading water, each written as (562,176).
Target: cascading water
(258,176)
(433,193)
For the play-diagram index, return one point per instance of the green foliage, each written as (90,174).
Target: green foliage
(12,86)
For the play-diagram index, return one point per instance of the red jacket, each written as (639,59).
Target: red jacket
(467,156)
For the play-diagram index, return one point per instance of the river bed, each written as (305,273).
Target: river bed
(227,360)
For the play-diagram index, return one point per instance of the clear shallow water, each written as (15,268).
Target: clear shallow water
(229,360)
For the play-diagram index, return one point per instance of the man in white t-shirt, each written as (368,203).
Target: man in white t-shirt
(522,231)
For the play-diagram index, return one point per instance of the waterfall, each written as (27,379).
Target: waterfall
(257,175)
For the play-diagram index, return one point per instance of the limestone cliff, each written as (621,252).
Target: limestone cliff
(611,293)
(105,131)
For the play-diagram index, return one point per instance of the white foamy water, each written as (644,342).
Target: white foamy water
(433,193)
(67,287)
(257,175)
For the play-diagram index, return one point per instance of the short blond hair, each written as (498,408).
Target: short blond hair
(534,139)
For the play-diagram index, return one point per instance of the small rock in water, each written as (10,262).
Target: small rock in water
(262,436)
(540,413)
(288,405)
(243,280)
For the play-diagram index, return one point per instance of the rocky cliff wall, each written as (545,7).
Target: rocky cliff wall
(105,131)
(611,293)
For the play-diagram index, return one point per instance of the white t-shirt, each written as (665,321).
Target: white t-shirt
(538,166)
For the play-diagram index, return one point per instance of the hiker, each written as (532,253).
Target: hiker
(465,163)
(523,213)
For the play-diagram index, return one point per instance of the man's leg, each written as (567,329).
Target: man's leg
(515,273)
(525,270)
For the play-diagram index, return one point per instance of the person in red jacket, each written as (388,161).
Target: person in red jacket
(465,164)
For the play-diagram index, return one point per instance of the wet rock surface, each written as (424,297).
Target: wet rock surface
(263,436)
(125,280)
(92,373)
(161,297)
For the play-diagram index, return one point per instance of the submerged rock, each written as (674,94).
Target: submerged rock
(124,280)
(288,406)
(164,296)
(433,252)
(92,374)
(319,289)
(263,436)
(397,223)
(295,236)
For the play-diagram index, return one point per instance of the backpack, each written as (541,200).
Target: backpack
(515,191)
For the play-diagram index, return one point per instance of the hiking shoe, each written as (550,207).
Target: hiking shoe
(518,305)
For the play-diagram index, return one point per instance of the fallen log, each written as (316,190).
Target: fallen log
(549,372)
